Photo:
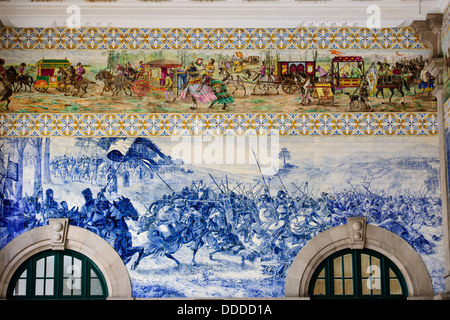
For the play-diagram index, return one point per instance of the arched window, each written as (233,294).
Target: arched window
(57,275)
(354,274)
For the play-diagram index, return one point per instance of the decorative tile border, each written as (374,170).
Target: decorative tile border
(209,38)
(321,124)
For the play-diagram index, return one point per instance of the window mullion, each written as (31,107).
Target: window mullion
(385,291)
(59,272)
(329,278)
(85,283)
(357,277)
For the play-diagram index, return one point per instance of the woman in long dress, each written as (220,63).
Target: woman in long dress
(223,96)
(196,89)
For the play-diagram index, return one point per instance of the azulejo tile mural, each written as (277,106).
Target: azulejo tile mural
(223,216)
(207,38)
(125,125)
(209,157)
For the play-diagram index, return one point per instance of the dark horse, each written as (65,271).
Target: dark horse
(168,237)
(391,82)
(18,82)
(6,91)
(114,228)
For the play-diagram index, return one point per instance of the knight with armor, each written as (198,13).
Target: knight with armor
(94,211)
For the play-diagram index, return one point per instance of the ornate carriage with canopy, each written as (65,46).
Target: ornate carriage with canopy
(346,71)
(46,75)
(153,78)
(288,74)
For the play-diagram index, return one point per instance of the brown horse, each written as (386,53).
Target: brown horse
(6,91)
(69,78)
(120,82)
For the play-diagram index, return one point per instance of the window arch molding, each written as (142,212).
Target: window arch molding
(34,241)
(385,242)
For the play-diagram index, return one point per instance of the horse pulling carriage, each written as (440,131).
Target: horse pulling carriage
(47,77)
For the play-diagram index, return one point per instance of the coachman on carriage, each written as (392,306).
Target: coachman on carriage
(152,76)
(46,75)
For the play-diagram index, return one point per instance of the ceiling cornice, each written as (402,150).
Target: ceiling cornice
(225,13)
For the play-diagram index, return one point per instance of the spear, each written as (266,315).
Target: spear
(298,188)
(163,181)
(281,180)
(264,180)
(149,166)
(216,183)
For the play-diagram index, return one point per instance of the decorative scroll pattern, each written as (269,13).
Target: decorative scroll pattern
(89,125)
(209,38)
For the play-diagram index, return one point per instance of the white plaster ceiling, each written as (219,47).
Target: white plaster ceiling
(217,13)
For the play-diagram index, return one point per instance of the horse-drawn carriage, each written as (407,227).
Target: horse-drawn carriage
(46,75)
(346,71)
(152,78)
(290,74)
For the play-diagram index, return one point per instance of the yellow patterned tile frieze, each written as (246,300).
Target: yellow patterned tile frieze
(108,125)
(94,38)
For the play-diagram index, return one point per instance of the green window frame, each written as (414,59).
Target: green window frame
(357,274)
(57,275)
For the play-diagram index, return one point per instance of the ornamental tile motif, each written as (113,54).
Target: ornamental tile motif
(125,125)
(211,38)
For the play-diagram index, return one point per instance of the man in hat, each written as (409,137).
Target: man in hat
(80,71)
(21,71)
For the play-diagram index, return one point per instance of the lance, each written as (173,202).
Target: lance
(281,180)
(214,201)
(264,180)
(110,178)
(216,183)
(163,180)
(156,173)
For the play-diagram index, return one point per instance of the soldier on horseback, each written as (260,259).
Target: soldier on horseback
(94,211)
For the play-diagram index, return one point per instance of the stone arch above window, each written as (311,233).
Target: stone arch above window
(59,235)
(356,234)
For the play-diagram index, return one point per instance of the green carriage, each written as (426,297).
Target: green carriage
(46,73)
